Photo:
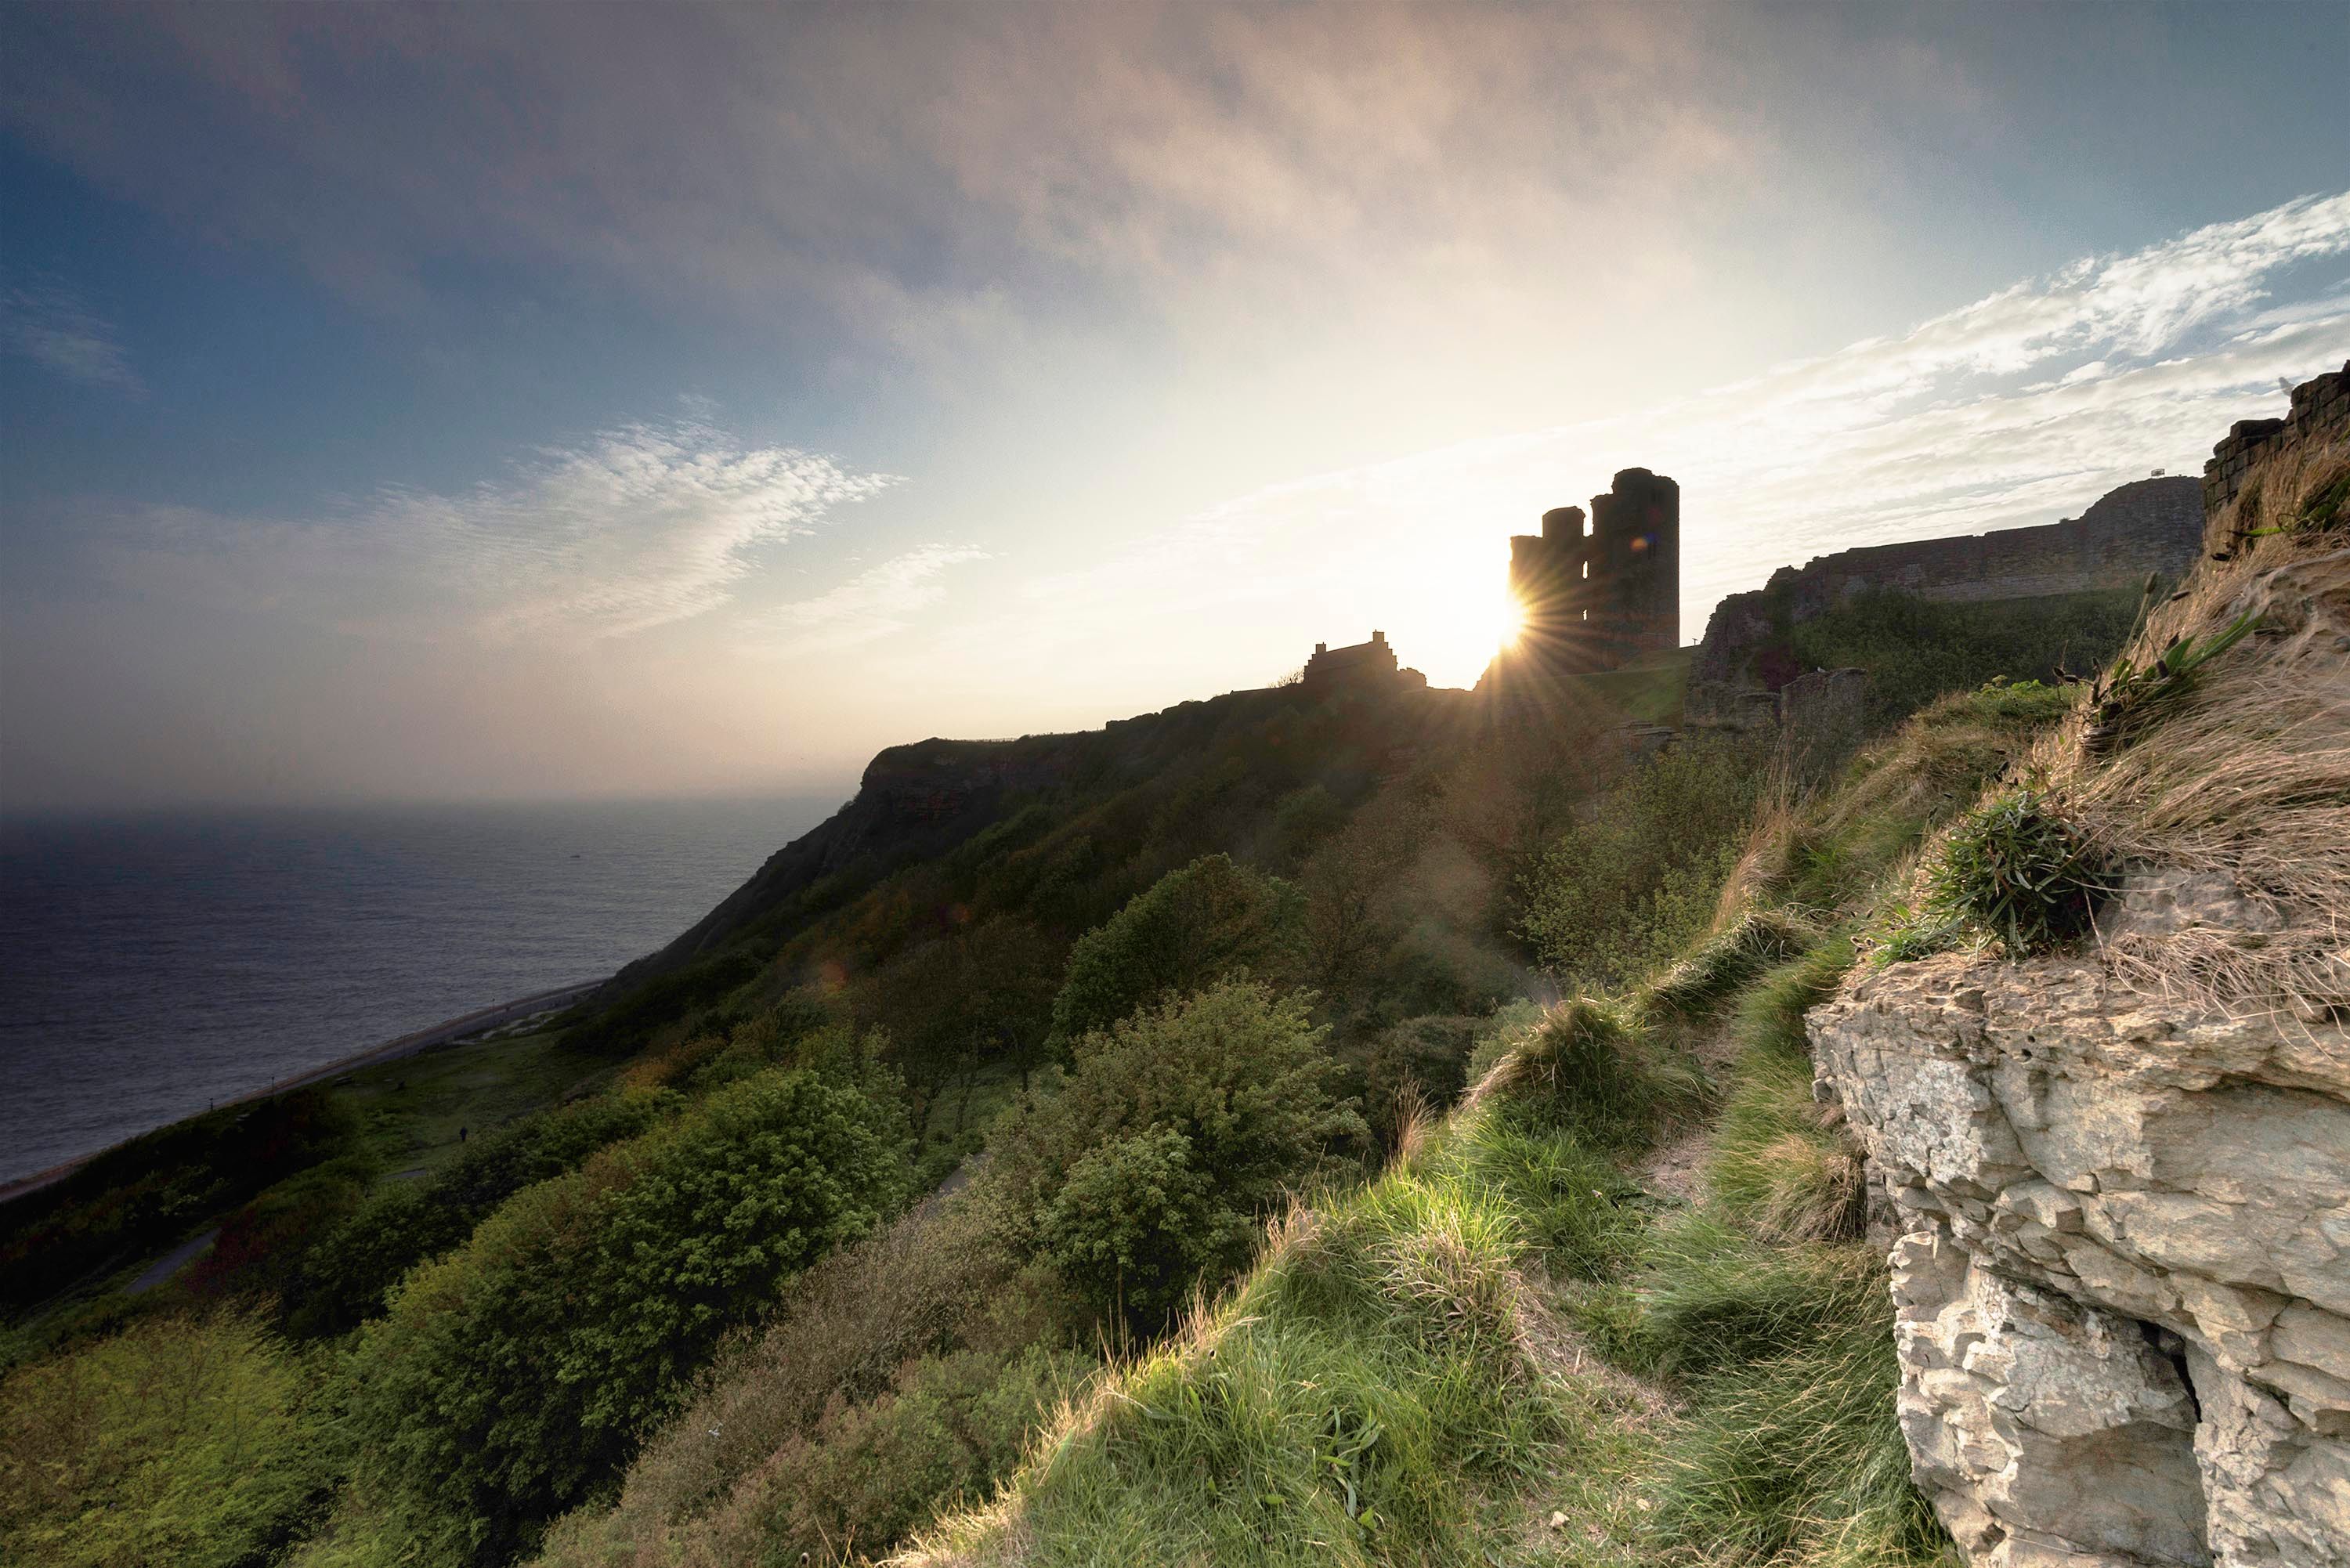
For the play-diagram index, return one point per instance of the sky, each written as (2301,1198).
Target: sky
(420,403)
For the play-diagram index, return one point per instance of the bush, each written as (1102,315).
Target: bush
(1210,920)
(1613,898)
(1177,1133)
(515,1375)
(2017,868)
(944,1435)
(345,1277)
(198,1441)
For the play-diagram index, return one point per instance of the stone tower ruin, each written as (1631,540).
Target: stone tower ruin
(1598,591)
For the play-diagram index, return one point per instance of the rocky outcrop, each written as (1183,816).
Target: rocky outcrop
(2123,1272)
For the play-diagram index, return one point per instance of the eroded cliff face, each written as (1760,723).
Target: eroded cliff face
(2123,1259)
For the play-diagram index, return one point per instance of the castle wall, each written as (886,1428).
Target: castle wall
(1598,593)
(2321,409)
(2151,526)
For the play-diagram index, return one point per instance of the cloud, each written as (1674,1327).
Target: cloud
(51,327)
(917,175)
(2020,407)
(638,528)
(877,603)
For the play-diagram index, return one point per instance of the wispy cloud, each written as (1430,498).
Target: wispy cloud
(638,528)
(876,603)
(50,326)
(2016,408)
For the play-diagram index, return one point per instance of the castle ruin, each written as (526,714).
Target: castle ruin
(1357,665)
(1598,591)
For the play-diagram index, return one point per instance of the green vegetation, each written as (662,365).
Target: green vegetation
(514,1374)
(1227,1009)
(2130,698)
(1209,921)
(2016,867)
(345,1277)
(147,1193)
(1918,649)
(1152,1169)
(200,1440)
(1612,899)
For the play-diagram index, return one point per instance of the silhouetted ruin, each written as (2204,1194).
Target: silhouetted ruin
(1362,664)
(1600,591)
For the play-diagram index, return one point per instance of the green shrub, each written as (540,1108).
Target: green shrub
(1623,894)
(345,1277)
(1176,1133)
(188,1440)
(1210,920)
(516,1374)
(949,1428)
(2017,868)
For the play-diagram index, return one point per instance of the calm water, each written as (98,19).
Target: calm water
(150,965)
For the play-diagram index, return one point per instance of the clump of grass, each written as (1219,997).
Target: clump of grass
(1580,1214)
(1723,963)
(1362,1396)
(1783,1164)
(1591,1068)
(2019,867)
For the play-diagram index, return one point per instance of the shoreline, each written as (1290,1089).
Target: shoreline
(448,1031)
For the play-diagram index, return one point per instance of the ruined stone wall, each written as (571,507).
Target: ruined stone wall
(2150,525)
(1600,591)
(2321,409)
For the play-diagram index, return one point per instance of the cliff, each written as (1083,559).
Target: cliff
(2119,1175)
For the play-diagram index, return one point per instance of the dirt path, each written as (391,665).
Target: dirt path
(161,1270)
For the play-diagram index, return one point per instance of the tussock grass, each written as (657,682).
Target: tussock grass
(2246,770)
(1591,1066)
(1366,1394)
(1751,941)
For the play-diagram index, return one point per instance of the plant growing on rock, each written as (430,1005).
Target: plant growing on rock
(2018,867)
(2129,698)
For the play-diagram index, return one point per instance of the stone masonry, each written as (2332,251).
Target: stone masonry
(2321,408)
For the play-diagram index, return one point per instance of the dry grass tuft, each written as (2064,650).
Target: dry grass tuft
(2247,772)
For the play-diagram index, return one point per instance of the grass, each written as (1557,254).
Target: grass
(1502,1349)
(1646,691)
(2243,769)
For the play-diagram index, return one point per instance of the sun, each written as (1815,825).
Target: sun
(1451,613)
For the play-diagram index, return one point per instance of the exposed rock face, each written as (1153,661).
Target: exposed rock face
(2123,1278)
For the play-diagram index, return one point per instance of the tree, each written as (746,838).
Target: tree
(1207,922)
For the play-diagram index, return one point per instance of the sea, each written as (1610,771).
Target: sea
(150,965)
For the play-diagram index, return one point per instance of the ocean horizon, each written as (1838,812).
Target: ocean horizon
(153,964)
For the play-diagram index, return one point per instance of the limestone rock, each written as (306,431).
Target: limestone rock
(2123,1271)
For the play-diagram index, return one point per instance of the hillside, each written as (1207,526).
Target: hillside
(1352,1121)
